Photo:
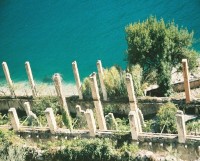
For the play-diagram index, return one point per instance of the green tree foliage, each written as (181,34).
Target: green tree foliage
(158,47)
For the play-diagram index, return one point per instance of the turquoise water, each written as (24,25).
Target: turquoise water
(53,33)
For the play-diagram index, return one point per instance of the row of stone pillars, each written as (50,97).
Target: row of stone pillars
(133,118)
(10,82)
(78,82)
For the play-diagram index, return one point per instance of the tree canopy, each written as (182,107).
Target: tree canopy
(158,47)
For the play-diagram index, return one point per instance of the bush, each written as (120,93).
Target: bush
(86,89)
(166,118)
(193,126)
(114,79)
(158,47)
(94,150)
(11,147)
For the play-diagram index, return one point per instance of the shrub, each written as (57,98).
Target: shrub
(114,79)
(158,47)
(97,149)
(86,89)
(11,147)
(166,118)
(193,126)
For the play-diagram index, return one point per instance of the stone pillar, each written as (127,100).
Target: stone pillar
(186,80)
(97,103)
(77,79)
(79,111)
(30,78)
(91,122)
(61,97)
(27,108)
(101,78)
(132,99)
(51,120)
(131,92)
(133,125)
(14,119)
(8,79)
(181,126)
(80,115)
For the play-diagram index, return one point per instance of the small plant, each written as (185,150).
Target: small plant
(193,126)
(86,89)
(3,119)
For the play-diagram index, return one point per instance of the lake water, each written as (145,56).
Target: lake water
(50,34)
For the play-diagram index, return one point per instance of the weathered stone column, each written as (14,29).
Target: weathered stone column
(186,80)
(77,79)
(97,103)
(101,78)
(131,92)
(27,108)
(91,122)
(133,125)
(8,79)
(181,126)
(30,78)
(132,99)
(51,120)
(61,97)
(14,119)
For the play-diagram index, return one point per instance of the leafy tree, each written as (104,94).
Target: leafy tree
(158,47)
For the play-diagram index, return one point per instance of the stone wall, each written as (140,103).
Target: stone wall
(148,105)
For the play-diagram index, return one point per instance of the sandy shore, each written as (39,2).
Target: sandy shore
(43,89)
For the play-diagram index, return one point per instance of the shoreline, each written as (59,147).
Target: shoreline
(22,88)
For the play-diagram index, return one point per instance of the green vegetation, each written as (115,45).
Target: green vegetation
(114,79)
(158,47)
(165,121)
(193,126)
(3,119)
(11,146)
(97,149)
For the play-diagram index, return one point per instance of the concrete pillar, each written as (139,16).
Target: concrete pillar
(181,126)
(77,79)
(51,120)
(8,79)
(27,108)
(91,122)
(14,119)
(133,125)
(132,99)
(101,78)
(131,92)
(97,103)
(186,80)
(61,97)
(30,78)
(79,111)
